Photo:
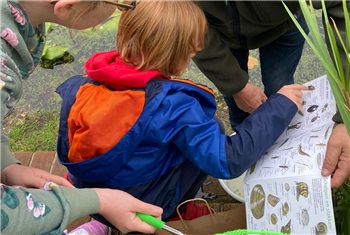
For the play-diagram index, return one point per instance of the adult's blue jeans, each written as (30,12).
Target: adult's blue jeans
(278,62)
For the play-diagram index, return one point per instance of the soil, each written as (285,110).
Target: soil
(14,116)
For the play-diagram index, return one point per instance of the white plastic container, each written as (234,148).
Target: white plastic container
(234,187)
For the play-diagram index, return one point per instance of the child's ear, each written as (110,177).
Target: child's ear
(63,8)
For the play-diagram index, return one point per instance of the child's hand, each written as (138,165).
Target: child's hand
(119,208)
(29,177)
(293,92)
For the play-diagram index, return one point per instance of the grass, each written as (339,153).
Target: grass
(35,131)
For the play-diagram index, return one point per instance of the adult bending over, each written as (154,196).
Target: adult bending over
(235,27)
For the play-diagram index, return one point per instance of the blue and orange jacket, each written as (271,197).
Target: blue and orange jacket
(132,130)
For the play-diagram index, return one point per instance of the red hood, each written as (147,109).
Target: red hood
(108,69)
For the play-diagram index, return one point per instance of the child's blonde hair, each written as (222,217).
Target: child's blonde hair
(160,35)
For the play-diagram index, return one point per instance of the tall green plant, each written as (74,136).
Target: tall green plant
(338,70)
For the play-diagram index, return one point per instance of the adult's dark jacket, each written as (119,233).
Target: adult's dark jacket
(247,24)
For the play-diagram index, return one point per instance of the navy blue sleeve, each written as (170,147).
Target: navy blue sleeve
(258,133)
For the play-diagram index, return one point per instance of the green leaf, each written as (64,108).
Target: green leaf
(47,27)
(54,52)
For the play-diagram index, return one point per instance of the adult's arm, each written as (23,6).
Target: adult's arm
(218,64)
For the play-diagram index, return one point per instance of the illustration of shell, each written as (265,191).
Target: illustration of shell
(257,201)
(302,189)
(286,187)
(286,228)
(305,218)
(285,209)
(321,229)
(273,219)
(272,200)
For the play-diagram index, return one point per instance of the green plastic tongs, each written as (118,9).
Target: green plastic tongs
(157,223)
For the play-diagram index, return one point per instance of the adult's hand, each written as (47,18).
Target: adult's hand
(120,208)
(250,98)
(337,160)
(30,177)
